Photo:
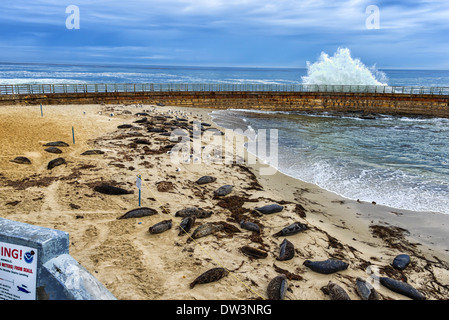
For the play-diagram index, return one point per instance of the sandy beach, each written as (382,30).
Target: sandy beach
(137,265)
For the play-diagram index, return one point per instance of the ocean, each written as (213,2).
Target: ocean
(402,162)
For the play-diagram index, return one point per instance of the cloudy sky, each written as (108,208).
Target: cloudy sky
(257,33)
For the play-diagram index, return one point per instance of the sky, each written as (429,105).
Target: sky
(410,34)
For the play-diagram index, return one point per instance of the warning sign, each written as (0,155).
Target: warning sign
(18,268)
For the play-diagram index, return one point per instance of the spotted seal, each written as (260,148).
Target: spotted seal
(194,211)
(56,144)
(401,288)
(21,160)
(161,227)
(209,276)
(291,229)
(111,190)
(55,163)
(271,208)
(335,291)
(206,229)
(287,251)
(277,288)
(327,266)
(401,261)
(253,252)
(186,224)
(223,190)
(250,226)
(92,152)
(205,179)
(365,290)
(138,213)
(53,150)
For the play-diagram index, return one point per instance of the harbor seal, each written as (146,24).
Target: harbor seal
(401,288)
(56,144)
(287,251)
(53,150)
(205,179)
(291,229)
(335,291)
(206,229)
(161,227)
(111,190)
(365,290)
(277,288)
(271,208)
(253,252)
(401,261)
(250,226)
(223,190)
(21,160)
(327,266)
(92,152)
(55,163)
(186,224)
(197,212)
(209,276)
(138,213)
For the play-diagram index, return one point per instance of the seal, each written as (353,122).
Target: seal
(335,291)
(111,190)
(161,227)
(277,288)
(125,126)
(205,179)
(271,208)
(401,288)
(253,252)
(206,229)
(223,190)
(287,251)
(138,213)
(291,229)
(55,163)
(197,212)
(21,160)
(401,261)
(327,266)
(186,224)
(365,290)
(248,225)
(56,144)
(92,152)
(53,150)
(209,276)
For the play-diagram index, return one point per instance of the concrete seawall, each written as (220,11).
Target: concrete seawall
(386,103)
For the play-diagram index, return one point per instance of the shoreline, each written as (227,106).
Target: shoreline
(135,265)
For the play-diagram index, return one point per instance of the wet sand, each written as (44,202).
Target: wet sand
(136,265)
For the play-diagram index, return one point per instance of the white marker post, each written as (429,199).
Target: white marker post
(139,186)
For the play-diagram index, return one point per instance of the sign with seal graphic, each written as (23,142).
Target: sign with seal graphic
(18,268)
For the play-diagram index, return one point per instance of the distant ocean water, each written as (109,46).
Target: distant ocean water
(401,162)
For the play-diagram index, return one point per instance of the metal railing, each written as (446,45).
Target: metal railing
(28,89)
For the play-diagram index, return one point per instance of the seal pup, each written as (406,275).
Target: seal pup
(271,208)
(223,190)
(335,291)
(287,251)
(253,252)
(277,288)
(365,290)
(111,190)
(327,266)
(55,163)
(21,160)
(401,288)
(205,179)
(160,227)
(138,213)
(209,276)
(291,229)
(197,212)
(250,226)
(186,224)
(401,261)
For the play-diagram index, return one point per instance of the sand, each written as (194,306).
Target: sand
(136,265)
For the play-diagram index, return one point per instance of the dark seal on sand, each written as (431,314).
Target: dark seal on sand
(211,275)
(138,213)
(206,229)
(53,150)
(92,152)
(253,252)
(401,288)
(56,144)
(223,190)
(55,163)
(206,179)
(21,160)
(251,226)
(271,208)
(197,212)
(335,291)
(161,227)
(186,224)
(287,251)
(327,266)
(401,261)
(277,288)
(111,190)
(365,290)
(291,229)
